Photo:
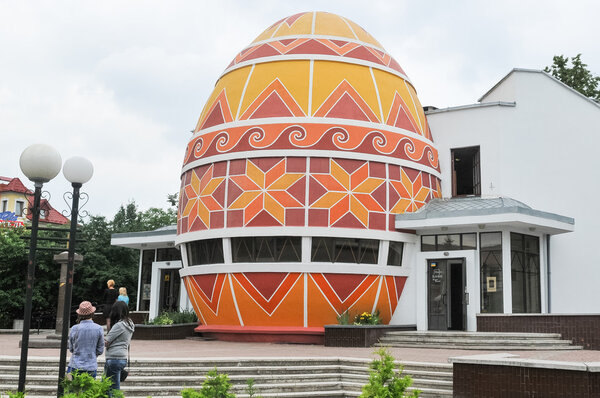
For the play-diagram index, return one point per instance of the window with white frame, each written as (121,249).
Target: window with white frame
(19,206)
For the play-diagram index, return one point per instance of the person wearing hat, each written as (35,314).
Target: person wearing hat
(86,341)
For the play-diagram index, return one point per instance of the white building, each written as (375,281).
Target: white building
(518,168)
(532,139)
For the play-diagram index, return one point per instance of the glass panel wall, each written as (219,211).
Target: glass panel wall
(145,279)
(256,249)
(345,250)
(525,273)
(491,272)
(395,253)
(168,254)
(432,243)
(209,251)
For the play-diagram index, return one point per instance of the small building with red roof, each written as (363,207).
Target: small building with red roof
(16,198)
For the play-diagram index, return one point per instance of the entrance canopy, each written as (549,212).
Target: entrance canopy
(483,213)
(161,237)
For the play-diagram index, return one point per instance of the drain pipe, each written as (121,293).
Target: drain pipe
(549,273)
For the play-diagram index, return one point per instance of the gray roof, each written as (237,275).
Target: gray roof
(543,73)
(477,206)
(471,106)
(168,230)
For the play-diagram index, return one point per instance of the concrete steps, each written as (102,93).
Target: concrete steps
(273,377)
(477,340)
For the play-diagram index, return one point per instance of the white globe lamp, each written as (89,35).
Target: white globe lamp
(78,170)
(40,162)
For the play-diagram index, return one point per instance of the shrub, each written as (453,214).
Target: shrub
(384,380)
(83,385)
(162,319)
(251,389)
(366,318)
(216,385)
(12,394)
(343,318)
(174,317)
(184,316)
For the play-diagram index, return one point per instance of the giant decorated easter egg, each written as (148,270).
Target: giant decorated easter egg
(311,141)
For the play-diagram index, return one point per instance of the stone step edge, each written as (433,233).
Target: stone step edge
(467,341)
(484,347)
(40,380)
(475,334)
(212,362)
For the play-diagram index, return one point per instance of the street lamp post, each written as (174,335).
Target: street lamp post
(77,171)
(40,163)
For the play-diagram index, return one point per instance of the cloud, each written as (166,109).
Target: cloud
(122,83)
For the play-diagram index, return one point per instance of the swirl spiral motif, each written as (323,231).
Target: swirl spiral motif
(314,136)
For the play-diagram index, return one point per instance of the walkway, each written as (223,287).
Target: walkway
(192,348)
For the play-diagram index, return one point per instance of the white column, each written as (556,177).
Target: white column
(506,273)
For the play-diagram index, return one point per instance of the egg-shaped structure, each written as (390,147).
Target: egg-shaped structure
(311,141)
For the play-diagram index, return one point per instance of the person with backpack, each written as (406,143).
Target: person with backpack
(117,343)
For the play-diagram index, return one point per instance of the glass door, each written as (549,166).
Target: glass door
(437,296)
(446,294)
(169,290)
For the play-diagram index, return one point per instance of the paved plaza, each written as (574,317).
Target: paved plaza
(195,348)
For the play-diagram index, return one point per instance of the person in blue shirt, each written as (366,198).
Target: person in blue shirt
(123,295)
(86,341)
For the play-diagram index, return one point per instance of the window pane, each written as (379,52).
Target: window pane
(208,251)
(532,244)
(491,272)
(265,249)
(491,240)
(448,242)
(168,254)
(345,250)
(469,241)
(146,275)
(369,250)
(395,253)
(516,242)
(322,250)
(19,209)
(428,243)
(289,249)
(525,273)
(243,251)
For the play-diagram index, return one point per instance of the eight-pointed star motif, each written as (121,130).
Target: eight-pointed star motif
(199,193)
(348,193)
(265,190)
(413,195)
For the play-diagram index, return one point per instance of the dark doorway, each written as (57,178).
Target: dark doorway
(169,290)
(466,173)
(446,294)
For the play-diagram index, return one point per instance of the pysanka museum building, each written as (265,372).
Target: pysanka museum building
(316,183)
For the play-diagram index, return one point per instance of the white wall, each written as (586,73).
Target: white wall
(543,152)
(184,301)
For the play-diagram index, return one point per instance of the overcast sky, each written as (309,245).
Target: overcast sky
(123,82)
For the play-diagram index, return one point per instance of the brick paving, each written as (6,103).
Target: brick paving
(192,348)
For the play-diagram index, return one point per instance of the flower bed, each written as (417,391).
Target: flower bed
(359,335)
(164,332)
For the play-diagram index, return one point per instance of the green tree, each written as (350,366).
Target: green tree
(216,385)
(103,261)
(14,245)
(13,266)
(576,76)
(385,381)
